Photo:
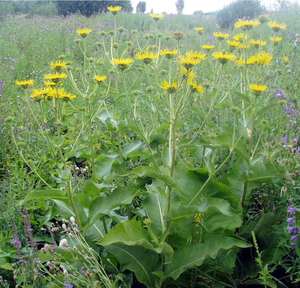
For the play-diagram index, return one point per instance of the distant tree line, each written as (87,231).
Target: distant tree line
(60,7)
(247,9)
(88,8)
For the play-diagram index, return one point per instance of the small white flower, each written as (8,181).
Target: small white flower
(72,220)
(63,243)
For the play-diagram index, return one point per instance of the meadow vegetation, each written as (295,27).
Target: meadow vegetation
(149,151)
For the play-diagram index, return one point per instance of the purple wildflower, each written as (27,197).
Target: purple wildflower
(285,140)
(16,242)
(290,110)
(292,228)
(280,94)
(68,285)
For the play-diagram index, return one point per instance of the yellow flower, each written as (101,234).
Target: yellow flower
(243,46)
(196,55)
(233,43)
(58,65)
(276,39)
(221,36)
(168,53)
(170,87)
(187,74)
(100,78)
(114,9)
(258,88)
(122,63)
(207,47)
(224,57)
(156,16)
(196,88)
(49,93)
(240,37)
(258,43)
(189,62)
(246,24)
(55,77)
(38,94)
(198,218)
(59,93)
(24,83)
(276,26)
(146,57)
(83,32)
(49,83)
(199,30)
(262,58)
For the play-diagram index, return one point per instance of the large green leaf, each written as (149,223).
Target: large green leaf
(105,204)
(155,206)
(195,255)
(139,260)
(130,233)
(104,165)
(131,149)
(214,221)
(190,181)
(156,173)
(44,195)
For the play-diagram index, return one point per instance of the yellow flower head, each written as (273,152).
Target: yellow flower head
(189,62)
(196,88)
(38,94)
(276,39)
(246,24)
(168,53)
(48,83)
(221,36)
(276,26)
(24,83)
(233,43)
(198,218)
(60,94)
(58,65)
(156,16)
(83,32)
(114,9)
(122,63)
(100,78)
(207,47)
(170,87)
(55,77)
(187,74)
(258,43)
(49,93)
(224,57)
(196,55)
(258,88)
(199,30)
(146,57)
(240,37)
(262,58)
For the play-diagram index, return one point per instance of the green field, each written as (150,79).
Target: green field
(177,171)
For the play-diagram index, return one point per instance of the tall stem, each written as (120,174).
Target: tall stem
(172,146)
